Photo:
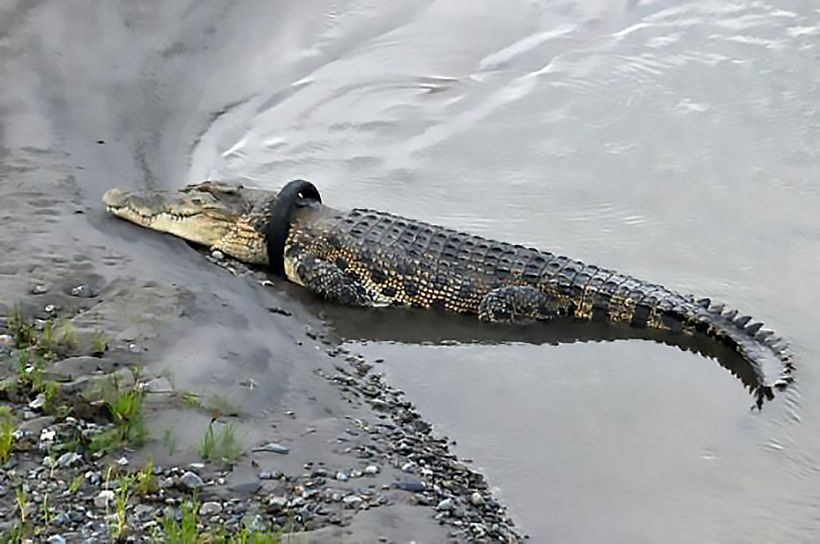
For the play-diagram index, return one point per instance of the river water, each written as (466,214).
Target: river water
(675,141)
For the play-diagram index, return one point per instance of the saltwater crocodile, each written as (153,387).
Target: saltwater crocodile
(364,257)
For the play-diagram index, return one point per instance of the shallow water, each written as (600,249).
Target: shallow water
(675,141)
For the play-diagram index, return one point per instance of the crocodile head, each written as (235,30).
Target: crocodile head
(220,215)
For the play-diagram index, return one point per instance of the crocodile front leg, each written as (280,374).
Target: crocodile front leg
(327,280)
(515,304)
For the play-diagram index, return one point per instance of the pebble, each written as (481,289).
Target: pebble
(210,508)
(191,480)
(159,385)
(218,255)
(38,402)
(341,476)
(49,308)
(81,291)
(371,469)
(102,500)
(476,499)
(5,339)
(446,504)
(39,290)
(68,459)
(56,539)
(122,461)
(408,467)
(277,502)
(273,447)
(352,501)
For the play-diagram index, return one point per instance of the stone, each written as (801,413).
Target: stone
(191,480)
(273,447)
(341,476)
(158,385)
(68,459)
(371,469)
(476,499)
(446,504)
(38,402)
(210,508)
(104,498)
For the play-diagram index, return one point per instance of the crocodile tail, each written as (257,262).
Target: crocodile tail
(758,346)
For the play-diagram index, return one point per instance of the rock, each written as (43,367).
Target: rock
(105,497)
(408,467)
(82,291)
(122,461)
(341,476)
(277,503)
(38,402)
(191,480)
(35,426)
(6,340)
(68,459)
(446,504)
(210,508)
(411,486)
(273,447)
(371,469)
(218,255)
(39,289)
(159,385)
(476,499)
(143,512)
(352,501)
(56,539)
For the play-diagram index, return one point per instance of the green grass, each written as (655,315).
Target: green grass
(98,344)
(168,440)
(185,531)
(125,410)
(21,331)
(76,484)
(68,338)
(220,446)
(6,435)
(145,481)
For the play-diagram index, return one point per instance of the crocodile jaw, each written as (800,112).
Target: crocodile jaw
(191,216)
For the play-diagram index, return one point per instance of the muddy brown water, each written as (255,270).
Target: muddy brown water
(675,141)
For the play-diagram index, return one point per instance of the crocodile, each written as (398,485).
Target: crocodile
(370,258)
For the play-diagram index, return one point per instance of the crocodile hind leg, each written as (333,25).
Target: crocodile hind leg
(330,281)
(514,304)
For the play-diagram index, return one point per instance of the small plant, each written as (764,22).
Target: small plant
(6,435)
(76,484)
(222,446)
(125,409)
(145,481)
(168,440)
(46,344)
(184,532)
(190,400)
(98,344)
(22,332)
(120,502)
(68,339)
(21,498)
(206,449)
(47,514)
